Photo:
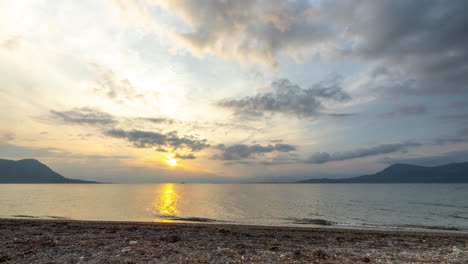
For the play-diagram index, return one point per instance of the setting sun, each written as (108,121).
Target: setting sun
(172,162)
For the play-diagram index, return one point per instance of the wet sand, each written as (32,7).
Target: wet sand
(65,241)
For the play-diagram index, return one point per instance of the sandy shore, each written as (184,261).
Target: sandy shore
(58,241)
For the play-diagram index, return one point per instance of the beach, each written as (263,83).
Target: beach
(67,241)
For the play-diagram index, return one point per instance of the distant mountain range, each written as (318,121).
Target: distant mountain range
(405,173)
(31,171)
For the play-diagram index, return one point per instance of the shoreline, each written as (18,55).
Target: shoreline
(78,241)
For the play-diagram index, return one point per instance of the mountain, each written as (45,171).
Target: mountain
(31,171)
(406,173)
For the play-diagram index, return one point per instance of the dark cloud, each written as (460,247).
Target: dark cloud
(290,99)
(242,151)
(148,139)
(189,156)
(443,140)
(404,110)
(324,157)
(432,160)
(421,44)
(160,120)
(84,116)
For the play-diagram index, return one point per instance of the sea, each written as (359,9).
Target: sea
(420,207)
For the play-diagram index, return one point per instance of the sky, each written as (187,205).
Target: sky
(232,90)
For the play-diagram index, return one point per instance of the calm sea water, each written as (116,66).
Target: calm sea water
(400,206)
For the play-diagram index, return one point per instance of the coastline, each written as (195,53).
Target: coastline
(75,241)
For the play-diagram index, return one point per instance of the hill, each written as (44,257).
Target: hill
(406,173)
(31,171)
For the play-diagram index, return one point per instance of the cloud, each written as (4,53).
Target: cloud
(12,43)
(404,110)
(14,151)
(160,120)
(432,160)
(454,118)
(324,157)
(290,99)
(248,30)
(8,136)
(148,139)
(421,45)
(242,151)
(84,116)
(110,85)
(189,156)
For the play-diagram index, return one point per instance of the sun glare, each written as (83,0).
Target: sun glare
(172,162)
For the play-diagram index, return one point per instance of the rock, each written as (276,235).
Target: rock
(133,242)
(4,258)
(320,254)
(366,260)
(297,253)
(274,248)
(171,239)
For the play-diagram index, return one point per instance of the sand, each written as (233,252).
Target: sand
(63,241)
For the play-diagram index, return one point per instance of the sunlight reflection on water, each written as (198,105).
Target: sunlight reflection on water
(166,202)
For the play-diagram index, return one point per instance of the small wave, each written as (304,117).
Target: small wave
(190,219)
(57,217)
(458,216)
(24,216)
(444,228)
(310,221)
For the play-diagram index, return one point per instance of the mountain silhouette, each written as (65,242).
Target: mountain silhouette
(31,171)
(406,173)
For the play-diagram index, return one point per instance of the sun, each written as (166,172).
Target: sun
(172,162)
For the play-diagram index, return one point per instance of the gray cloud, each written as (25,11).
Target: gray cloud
(7,136)
(189,156)
(454,118)
(324,157)
(422,45)
(290,99)
(242,151)
(160,120)
(148,139)
(84,116)
(404,110)
(13,151)
(433,160)
(249,30)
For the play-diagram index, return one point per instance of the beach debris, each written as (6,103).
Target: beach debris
(126,249)
(133,242)
(456,250)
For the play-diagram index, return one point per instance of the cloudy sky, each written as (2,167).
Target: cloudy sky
(232,90)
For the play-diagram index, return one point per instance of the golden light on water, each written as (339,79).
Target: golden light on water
(166,203)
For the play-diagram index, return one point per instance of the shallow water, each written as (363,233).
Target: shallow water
(400,206)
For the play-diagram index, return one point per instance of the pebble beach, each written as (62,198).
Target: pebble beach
(66,241)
